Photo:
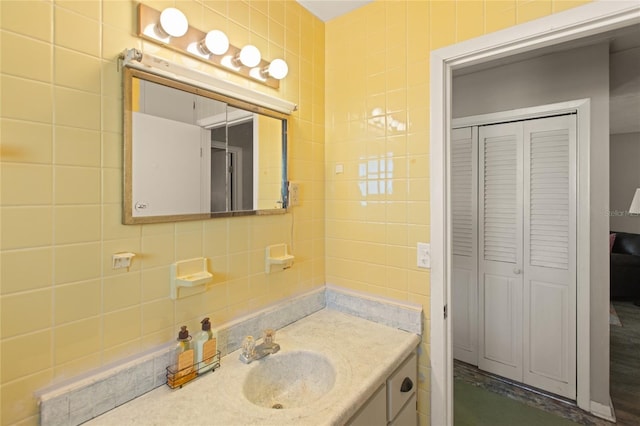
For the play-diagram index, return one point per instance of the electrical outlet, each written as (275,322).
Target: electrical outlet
(294,194)
(424,255)
(121,260)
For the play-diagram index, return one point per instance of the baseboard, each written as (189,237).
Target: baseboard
(603,411)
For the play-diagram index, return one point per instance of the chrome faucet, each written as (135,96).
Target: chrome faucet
(251,352)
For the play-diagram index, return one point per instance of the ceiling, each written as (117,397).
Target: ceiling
(326,10)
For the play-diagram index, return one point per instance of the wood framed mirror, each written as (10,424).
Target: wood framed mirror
(192,153)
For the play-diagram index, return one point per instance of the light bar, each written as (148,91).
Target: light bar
(134,58)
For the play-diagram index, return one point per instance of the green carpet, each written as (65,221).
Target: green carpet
(474,406)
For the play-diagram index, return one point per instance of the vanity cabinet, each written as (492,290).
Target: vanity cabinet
(374,411)
(394,403)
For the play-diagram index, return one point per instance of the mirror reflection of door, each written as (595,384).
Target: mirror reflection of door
(218,178)
(240,147)
(232,181)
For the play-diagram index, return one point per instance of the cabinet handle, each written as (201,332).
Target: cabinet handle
(407,385)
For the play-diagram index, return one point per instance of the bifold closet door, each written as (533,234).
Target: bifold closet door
(550,254)
(527,252)
(464,283)
(500,246)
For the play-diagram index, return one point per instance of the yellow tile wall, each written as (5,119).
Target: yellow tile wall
(361,82)
(63,310)
(377,76)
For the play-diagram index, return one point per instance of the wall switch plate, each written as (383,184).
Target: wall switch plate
(121,260)
(294,194)
(424,255)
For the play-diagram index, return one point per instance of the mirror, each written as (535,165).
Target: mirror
(194,154)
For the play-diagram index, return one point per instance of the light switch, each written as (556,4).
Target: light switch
(424,255)
(294,194)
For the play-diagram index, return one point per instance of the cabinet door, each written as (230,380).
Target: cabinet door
(408,416)
(401,385)
(374,412)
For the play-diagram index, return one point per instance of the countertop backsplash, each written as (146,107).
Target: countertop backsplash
(88,396)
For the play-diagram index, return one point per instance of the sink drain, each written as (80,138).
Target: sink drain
(277,406)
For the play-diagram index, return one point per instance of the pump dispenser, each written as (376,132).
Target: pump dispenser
(205,345)
(181,370)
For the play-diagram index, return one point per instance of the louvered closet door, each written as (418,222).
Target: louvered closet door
(500,248)
(464,287)
(550,254)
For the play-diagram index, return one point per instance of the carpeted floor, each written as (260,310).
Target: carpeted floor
(475,406)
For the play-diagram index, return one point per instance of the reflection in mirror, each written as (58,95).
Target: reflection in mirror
(194,154)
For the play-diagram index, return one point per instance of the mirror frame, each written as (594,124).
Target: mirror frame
(127,191)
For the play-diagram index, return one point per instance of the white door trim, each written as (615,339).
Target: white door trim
(590,19)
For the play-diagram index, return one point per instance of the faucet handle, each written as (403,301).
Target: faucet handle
(248,347)
(269,336)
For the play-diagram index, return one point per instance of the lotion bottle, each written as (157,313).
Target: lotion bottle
(205,345)
(182,362)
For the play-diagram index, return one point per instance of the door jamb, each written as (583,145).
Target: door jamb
(590,19)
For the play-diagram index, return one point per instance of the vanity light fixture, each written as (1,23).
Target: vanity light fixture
(171,29)
(134,58)
(173,23)
(249,56)
(277,69)
(215,43)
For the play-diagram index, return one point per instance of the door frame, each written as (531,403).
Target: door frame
(580,22)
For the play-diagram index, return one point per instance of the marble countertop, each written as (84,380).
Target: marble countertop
(362,352)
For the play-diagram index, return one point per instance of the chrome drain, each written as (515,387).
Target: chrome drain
(277,406)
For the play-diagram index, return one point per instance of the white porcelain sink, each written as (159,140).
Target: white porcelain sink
(289,380)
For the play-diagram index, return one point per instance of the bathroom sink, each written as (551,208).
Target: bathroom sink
(289,380)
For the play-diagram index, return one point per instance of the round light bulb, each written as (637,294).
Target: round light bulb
(216,42)
(278,69)
(173,22)
(250,56)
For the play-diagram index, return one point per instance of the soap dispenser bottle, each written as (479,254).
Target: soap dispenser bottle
(182,362)
(205,345)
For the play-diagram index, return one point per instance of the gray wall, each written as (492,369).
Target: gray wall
(625,178)
(562,76)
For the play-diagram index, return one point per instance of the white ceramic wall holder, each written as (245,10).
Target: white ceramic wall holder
(189,277)
(277,254)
